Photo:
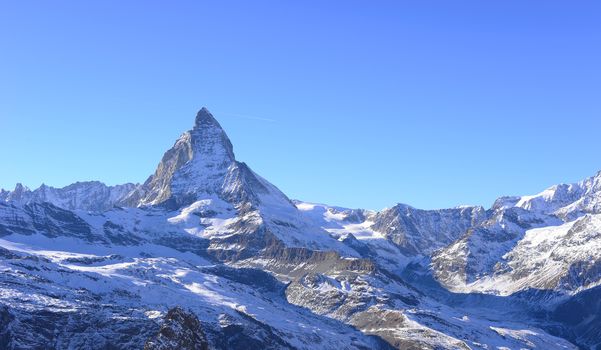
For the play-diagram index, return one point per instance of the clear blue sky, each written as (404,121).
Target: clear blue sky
(354,103)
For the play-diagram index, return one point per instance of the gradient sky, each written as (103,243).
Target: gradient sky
(353,103)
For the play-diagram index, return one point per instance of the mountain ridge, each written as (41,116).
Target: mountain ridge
(240,257)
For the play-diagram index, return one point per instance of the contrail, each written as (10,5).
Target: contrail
(249,117)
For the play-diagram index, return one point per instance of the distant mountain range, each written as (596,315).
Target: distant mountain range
(206,254)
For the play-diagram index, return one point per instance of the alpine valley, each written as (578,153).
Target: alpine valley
(206,254)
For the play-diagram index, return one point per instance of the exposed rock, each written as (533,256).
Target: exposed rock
(423,231)
(180,330)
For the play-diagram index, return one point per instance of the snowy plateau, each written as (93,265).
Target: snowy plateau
(207,254)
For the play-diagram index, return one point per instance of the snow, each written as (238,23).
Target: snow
(568,201)
(541,259)
(158,284)
(222,215)
(88,196)
(334,221)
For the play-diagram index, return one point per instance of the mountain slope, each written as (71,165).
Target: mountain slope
(160,267)
(547,241)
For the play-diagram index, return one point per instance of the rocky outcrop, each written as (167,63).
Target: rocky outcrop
(180,330)
(202,163)
(45,219)
(420,232)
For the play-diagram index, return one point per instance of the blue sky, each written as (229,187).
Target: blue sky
(354,103)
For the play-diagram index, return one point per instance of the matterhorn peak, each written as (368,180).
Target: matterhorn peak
(208,139)
(205,118)
(197,163)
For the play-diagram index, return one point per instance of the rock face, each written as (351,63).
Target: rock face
(43,218)
(198,164)
(423,231)
(180,330)
(206,254)
(201,164)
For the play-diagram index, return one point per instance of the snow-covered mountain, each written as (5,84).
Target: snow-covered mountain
(89,196)
(208,254)
(548,241)
(568,201)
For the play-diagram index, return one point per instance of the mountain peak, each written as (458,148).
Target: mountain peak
(208,137)
(197,163)
(205,118)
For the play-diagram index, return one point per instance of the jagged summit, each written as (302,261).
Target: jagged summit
(205,117)
(18,192)
(567,201)
(201,164)
(197,161)
(208,139)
